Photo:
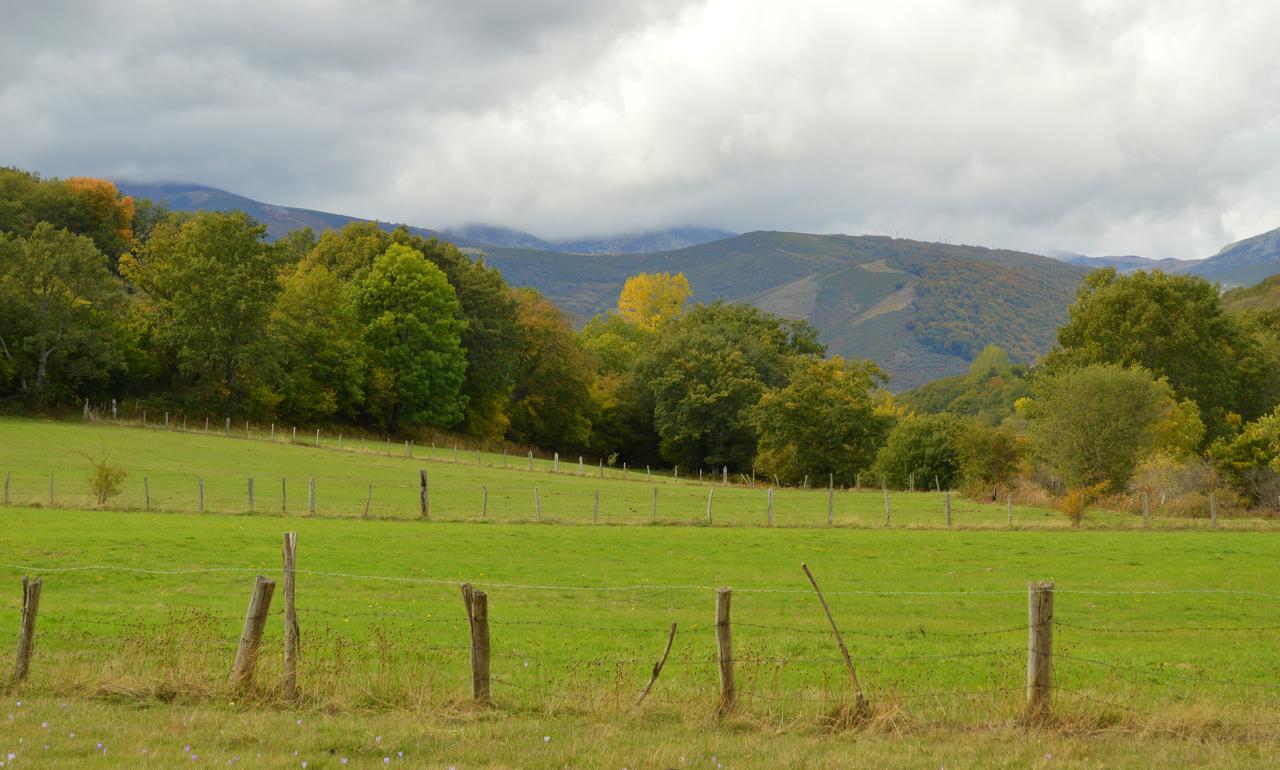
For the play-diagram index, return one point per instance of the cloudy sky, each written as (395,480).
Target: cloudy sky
(1099,126)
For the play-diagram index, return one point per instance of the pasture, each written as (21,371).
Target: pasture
(1165,641)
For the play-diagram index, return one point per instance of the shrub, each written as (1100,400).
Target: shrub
(105,479)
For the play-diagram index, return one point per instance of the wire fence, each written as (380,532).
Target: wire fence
(564,647)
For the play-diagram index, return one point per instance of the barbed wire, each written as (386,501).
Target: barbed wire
(1163,630)
(1165,674)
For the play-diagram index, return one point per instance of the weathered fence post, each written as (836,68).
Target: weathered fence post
(948,502)
(581,472)
(477,457)
(595,511)
(284,500)
(226,427)
(886,504)
(770,509)
(424,498)
(477,603)
(317,437)
(602,469)
(146,493)
(655,505)
(911,482)
(484,501)
(724,645)
(311,495)
(531,460)
(27,633)
(860,699)
(1146,509)
(273,433)
(1039,649)
(555,463)
(255,620)
(200,485)
(367,501)
(831,499)
(290,552)
(293,439)
(537,505)
(1213,510)
(250,495)
(724,475)
(1009,509)
(657,667)
(710,496)
(50,489)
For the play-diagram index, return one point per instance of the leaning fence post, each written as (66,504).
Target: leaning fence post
(1039,649)
(255,620)
(27,635)
(657,667)
(844,651)
(290,552)
(477,603)
(424,499)
(724,644)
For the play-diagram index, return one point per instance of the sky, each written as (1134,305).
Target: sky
(1093,126)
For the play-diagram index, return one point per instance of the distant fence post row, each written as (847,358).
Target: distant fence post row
(1040,621)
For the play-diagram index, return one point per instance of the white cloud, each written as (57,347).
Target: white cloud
(1104,127)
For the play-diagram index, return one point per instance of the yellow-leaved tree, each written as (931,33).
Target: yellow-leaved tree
(648,299)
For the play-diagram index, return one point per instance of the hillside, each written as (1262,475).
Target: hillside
(631,243)
(1263,296)
(280,220)
(1244,262)
(920,310)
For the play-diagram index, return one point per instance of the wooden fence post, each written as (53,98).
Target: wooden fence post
(146,493)
(200,485)
(273,433)
(1146,509)
(339,441)
(1009,509)
(27,635)
(530,460)
(367,501)
(844,651)
(504,457)
(657,667)
(284,500)
(655,505)
(226,427)
(424,499)
(948,501)
(911,482)
(770,510)
(477,604)
(886,504)
(1039,649)
(555,463)
(724,645)
(317,437)
(255,620)
(537,505)
(250,495)
(290,553)
(581,472)
(50,489)
(724,475)
(311,495)
(602,469)
(484,501)
(831,503)
(595,512)
(477,457)
(710,496)
(294,436)
(1213,510)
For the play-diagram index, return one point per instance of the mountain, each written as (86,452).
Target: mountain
(1243,263)
(632,243)
(1127,263)
(920,310)
(280,220)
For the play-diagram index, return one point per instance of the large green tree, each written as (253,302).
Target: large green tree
(317,336)
(926,446)
(1175,327)
(824,421)
(59,311)
(209,283)
(551,404)
(1092,425)
(411,326)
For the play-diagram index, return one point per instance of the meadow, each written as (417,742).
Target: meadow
(1165,640)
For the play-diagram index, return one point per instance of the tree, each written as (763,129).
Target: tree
(650,299)
(1250,461)
(551,404)
(411,325)
(1173,326)
(988,457)
(824,421)
(314,328)
(927,446)
(1092,425)
(210,283)
(59,307)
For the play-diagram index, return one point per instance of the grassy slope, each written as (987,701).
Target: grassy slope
(568,662)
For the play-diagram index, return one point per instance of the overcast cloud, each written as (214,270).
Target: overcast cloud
(1098,126)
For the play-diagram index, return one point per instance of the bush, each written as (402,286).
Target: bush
(1075,501)
(105,479)
(926,445)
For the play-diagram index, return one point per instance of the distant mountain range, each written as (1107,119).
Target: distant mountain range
(920,310)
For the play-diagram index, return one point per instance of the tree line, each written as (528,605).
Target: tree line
(1152,381)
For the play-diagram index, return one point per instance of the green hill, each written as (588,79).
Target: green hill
(1263,296)
(920,310)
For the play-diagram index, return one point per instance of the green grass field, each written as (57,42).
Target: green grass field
(1165,643)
